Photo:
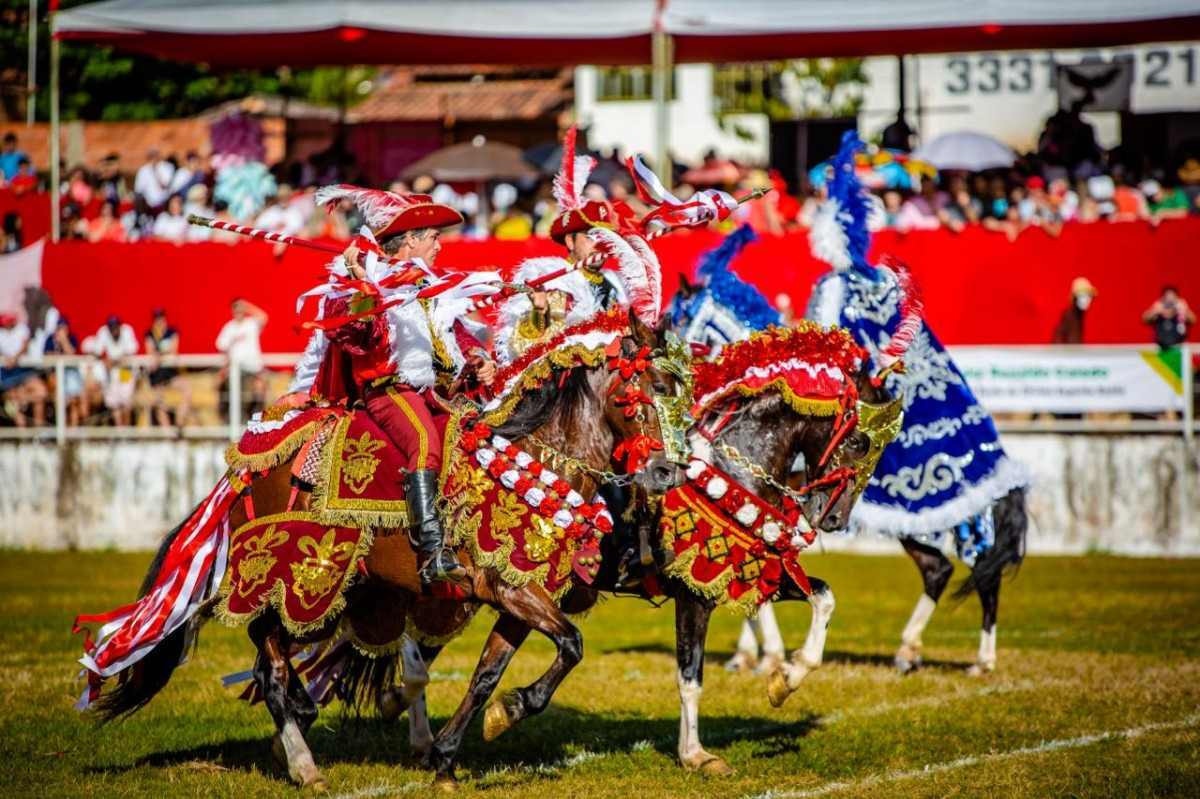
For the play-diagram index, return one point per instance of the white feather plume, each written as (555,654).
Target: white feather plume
(377,207)
(826,238)
(640,275)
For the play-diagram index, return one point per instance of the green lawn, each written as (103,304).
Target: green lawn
(1097,694)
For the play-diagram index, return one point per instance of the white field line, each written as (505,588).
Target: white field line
(875,780)
(383,789)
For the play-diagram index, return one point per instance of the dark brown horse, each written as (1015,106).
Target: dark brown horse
(767,446)
(579,414)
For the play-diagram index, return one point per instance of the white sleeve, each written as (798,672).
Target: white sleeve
(128,342)
(309,364)
(225,337)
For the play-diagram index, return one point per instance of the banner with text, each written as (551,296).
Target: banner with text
(1073,379)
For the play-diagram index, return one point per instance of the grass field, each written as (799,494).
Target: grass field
(1097,694)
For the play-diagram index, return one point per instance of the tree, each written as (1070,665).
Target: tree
(101,83)
(829,87)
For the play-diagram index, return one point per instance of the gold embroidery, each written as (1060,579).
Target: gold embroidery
(319,573)
(257,561)
(539,539)
(507,513)
(359,462)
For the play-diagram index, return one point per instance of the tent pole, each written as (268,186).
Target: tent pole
(31,71)
(55,177)
(662,47)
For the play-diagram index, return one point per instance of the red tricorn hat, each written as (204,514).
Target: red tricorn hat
(575,213)
(387,213)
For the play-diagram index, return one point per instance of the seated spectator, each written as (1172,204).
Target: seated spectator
(25,180)
(151,187)
(239,339)
(22,391)
(961,208)
(1063,199)
(191,173)
(1171,318)
(221,212)
(280,216)
(893,201)
(113,343)
(924,211)
(11,239)
(1128,203)
(107,226)
(162,339)
(79,189)
(172,224)
(109,182)
(999,214)
(197,204)
(63,342)
(1036,209)
(10,157)
(1164,203)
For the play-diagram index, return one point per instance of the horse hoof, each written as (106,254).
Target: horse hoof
(392,704)
(445,783)
(317,785)
(708,765)
(980,669)
(740,663)
(777,688)
(497,719)
(768,665)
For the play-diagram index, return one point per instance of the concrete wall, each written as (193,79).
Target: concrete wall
(1093,493)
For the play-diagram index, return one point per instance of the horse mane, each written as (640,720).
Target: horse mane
(564,393)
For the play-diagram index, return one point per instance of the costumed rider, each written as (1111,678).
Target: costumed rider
(391,332)
(593,231)
(946,468)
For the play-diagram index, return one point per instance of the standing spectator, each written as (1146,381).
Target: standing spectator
(151,187)
(1070,325)
(113,343)
(924,211)
(162,339)
(171,224)
(280,216)
(1171,317)
(1064,200)
(63,342)
(1036,209)
(197,203)
(109,181)
(962,209)
(240,340)
(107,226)
(221,212)
(192,173)
(1128,203)
(10,157)
(22,391)
(892,203)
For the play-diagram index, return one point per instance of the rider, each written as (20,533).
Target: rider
(397,348)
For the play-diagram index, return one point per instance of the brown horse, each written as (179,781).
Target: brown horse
(582,414)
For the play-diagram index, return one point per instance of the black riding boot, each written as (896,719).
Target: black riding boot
(425,530)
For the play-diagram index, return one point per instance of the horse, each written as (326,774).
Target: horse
(585,405)
(721,309)
(772,449)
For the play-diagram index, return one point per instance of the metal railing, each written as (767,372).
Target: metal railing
(60,432)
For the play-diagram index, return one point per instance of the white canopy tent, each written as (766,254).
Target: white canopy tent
(268,33)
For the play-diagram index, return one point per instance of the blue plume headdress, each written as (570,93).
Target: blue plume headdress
(839,235)
(746,302)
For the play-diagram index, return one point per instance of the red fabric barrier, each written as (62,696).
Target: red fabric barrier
(34,210)
(978,287)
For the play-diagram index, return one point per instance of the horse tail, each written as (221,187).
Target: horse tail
(1011,518)
(141,644)
(365,677)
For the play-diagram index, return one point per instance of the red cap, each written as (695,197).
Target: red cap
(422,213)
(594,213)
(1035,182)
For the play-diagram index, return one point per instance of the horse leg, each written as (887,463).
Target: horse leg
(506,636)
(289,704)
(691,630)
(787,678)
(936,570)
(746,656)
(772,640)
(537,611)
(420,736)
(985,663)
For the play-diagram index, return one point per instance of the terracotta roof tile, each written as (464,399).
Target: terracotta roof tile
(402,100)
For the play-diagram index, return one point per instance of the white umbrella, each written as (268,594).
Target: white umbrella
(973,152)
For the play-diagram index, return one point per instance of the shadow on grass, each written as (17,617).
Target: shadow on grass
(548,740)
(888,661)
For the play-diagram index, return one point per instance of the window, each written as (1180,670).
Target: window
(747,88)
(628,83)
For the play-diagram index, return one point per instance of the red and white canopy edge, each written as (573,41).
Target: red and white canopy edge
(267,33)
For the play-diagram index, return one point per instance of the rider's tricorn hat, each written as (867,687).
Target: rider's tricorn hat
(387,213)
(577,214)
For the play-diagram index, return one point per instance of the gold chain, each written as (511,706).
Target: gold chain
(732,453)
(555,456)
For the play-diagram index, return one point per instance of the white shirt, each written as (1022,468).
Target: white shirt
(104,345)
(170,228)
(12,339)
(153,182)
(239,339)
(281,219)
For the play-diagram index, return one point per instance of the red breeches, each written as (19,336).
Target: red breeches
(412,426)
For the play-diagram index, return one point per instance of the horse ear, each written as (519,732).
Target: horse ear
(686,286)
(640,332)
